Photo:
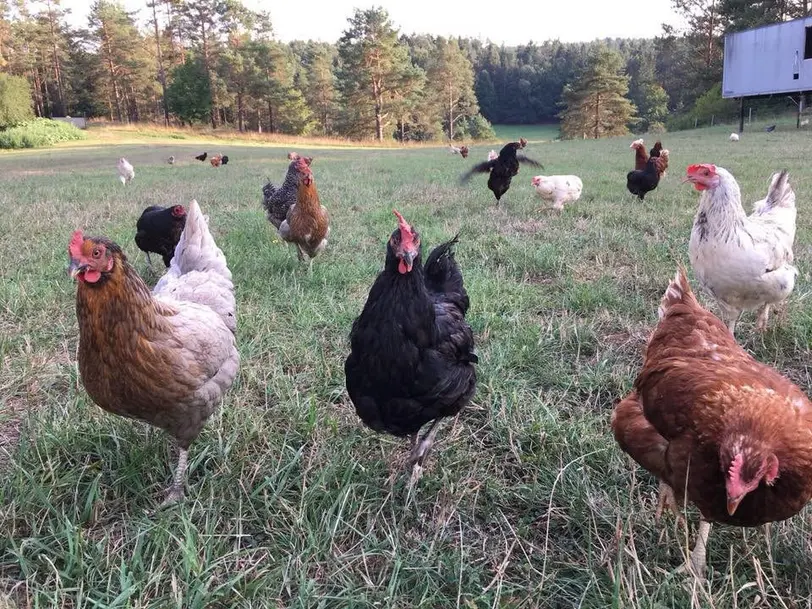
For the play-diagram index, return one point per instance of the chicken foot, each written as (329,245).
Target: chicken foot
(667,501)
(763,316)
(175,492)
(698,559)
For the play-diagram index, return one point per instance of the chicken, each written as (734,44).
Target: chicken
(224,160)
(558,189)
(307,224)
(278,200)
(502,168)
(655,150)
(412,352)
(661,162)
(202,157)
(171,160)
(734,137)
(743,262)
(158,231)
(462,150)
(292,156)
(640,155)
(641,182)
(165,357)
(716,427)
(492,155)
(125,171)
(770,129)
(215,160)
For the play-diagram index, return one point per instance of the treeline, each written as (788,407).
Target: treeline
(215,61)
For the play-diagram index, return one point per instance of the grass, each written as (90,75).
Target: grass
(532,133)
(526,502)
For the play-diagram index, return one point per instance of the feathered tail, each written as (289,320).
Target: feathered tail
(780,194)
(198,272)
(443,276)
(483,167)
(678,292)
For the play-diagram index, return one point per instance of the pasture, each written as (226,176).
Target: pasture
(526,501)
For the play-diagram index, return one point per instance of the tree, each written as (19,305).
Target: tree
(595,103)
(744,14)
(189,95)
(15,101)
(160,56)
(320,92)
(451,76)
(486,94)
(652,106)
(373,63)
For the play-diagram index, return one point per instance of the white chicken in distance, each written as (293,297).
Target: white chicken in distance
(125,171)
(744,262)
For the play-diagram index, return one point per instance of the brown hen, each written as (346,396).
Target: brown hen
(719,429)
(165,357)
(307,224)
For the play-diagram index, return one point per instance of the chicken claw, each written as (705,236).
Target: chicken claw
(763,316)
(175,492)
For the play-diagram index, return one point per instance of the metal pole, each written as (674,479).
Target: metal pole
(741,115)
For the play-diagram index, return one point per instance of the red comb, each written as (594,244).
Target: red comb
(694,168)
(735,471)
(406,238)
(76,242)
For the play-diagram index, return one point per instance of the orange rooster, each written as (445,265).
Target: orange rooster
(640,154)
(306,224)
(165,357)
(719,429)
(216,160)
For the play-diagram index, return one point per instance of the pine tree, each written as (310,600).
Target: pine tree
(595,103)
(451,77)
(373,63)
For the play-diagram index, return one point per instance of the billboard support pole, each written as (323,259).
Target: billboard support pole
(741,115)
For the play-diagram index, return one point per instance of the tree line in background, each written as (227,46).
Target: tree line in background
(217,62)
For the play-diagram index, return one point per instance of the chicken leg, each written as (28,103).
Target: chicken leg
(421,448)
(149,261)
(698,559)
(763,316)
(175,492)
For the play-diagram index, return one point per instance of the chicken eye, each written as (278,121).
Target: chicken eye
(96,252)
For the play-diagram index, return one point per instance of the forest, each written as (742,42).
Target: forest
(184,62)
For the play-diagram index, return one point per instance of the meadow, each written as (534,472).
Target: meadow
(526,501)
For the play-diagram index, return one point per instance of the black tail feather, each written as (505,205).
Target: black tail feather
(483,167)
(527,161)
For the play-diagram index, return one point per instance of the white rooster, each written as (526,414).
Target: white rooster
(125,171)
(743,261)
(558,189)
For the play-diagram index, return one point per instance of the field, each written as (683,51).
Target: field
(532,133)
(526,500)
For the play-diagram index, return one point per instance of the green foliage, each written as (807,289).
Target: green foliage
(710,106)
(38,133)
(595,102)
(477,127)
(188,95)
(450,80)
(15,101)
(652,107)
(374,69)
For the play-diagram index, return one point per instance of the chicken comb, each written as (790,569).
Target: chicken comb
(692,169)
(77,240)
(636,143)
(406,238)
(734,473)
(303,164)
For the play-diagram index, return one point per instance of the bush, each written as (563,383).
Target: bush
(15,101)
(39,132)
(479,128)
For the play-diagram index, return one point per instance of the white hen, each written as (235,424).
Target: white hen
(743,261)
(558,189)
(125,170)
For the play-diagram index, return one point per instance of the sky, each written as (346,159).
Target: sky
(518,23)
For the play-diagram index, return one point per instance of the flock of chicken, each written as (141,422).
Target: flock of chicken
(717,428)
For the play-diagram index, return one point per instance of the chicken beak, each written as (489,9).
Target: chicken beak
(686,179)
(733,504)
(408,259)
(75,268)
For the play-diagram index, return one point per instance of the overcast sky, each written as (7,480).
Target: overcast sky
(512,24)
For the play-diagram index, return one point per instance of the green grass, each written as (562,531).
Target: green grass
(526,502)
(532,133)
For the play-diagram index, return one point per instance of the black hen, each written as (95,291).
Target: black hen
(502,168)
(202,157)
(158,231)
(641,181)
(224,160)
(655,151)
(412,352)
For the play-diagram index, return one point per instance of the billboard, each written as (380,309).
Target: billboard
(771,59)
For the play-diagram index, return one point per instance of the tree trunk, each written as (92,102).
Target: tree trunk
(112,69)
(597,113)
(711,23)
(161,72)
(271,128)
(207,65)
(57,66)
(239,111)
(378,119)
(450,115)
